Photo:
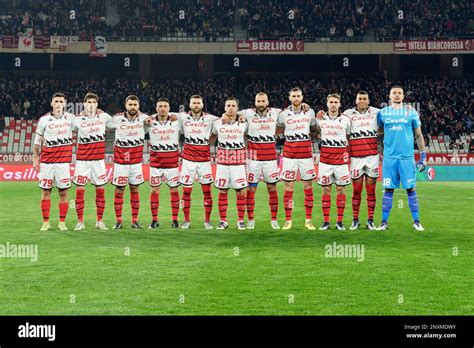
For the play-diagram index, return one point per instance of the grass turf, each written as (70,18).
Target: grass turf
(231,272)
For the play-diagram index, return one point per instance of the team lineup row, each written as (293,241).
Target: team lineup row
(246,153)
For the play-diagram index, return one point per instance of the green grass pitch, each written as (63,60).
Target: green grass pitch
(231,272)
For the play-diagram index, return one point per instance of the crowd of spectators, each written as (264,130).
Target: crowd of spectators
(310,19)
(205,19)
(268,19)
(303,19)
(445,105)
(48,18)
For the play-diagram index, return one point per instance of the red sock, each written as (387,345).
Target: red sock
(340,204)
(154,204)
(308,202)
(223,203)
(45,208)
(100,202)
(80,204)
(186,201)
(326,205)
(241,204)
(273,203)
(250,204)
(371,200)
(288,204)
(206,190)
(118,204)
(357,187)
(135,204)
(174,204)
(63,207)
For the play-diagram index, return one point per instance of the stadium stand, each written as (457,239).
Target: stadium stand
(208,20)
(313,19)
(17,16)
(17,135)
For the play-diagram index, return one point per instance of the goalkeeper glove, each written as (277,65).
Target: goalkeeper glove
(421,165)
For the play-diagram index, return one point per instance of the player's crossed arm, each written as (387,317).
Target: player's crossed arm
(280,126)
(174,116)
(213,135)
(240,114)
(304,106)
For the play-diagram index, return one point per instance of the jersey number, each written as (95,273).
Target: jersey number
(122,180)
(47,182)
(325,180)
(221,182)
(81,179)
(155,180)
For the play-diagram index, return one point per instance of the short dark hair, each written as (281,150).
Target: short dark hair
(132,97)
(58,95)
(196,96)
(164,100)
(91,95)
(295,89)
(363,93)
(396,86)
(232,98)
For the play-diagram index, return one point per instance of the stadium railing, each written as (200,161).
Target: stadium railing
(397,38)
(11,41)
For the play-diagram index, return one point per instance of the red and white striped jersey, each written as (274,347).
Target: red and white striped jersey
(334,131)
(164,143)
(129,138)
(297,132)
(196,136)
(261,134)
(57,138)
(91,136)
(363,139)
(230,142)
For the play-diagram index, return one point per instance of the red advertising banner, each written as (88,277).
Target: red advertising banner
(449,159)
(433,45)
(269,46)
(25,172)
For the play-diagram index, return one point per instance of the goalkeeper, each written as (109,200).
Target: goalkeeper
(400,124)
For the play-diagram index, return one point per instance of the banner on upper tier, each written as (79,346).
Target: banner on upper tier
(98,47)
(433,45)
(270,46)
(26,43)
